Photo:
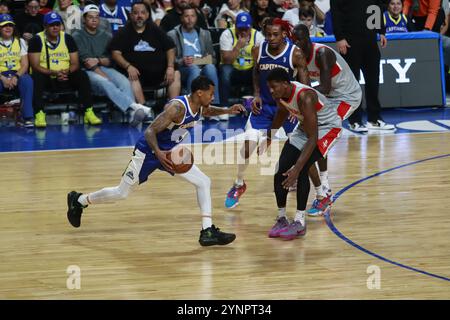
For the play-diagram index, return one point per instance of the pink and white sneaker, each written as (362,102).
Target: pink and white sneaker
(281,224)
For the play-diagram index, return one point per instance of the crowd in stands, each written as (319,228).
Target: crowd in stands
(118,48)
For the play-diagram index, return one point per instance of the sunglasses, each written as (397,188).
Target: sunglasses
(8,25)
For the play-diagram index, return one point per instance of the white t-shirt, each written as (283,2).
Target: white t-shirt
(23,46)
(158,14)
(226,40)
(446,7)
(222,10)
(323,5)
(292,16)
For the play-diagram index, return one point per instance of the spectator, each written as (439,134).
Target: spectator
(285,5)
(425,14)
(260,10)
(293,15)
(93,52)
(44,9)
(359,47)
(236,45)
(71,15)
(5,6)
(115,14)
(394,19)
(211,9)
(193,44)
(196,4)
(143,51)
(53,56)
(14,67)
(157,13)
(247,5)
(29,23)
(307,18)
(173,16)
(226,17)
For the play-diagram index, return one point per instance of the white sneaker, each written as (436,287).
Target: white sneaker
(357,127)
(380,125)
(224,117)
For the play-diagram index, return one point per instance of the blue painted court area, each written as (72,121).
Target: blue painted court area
(57,137)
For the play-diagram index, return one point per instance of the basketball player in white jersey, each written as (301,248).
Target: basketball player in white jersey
(319,128)
(169,128)
(339,85)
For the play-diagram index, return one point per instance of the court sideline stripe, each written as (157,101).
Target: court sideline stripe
(339,234)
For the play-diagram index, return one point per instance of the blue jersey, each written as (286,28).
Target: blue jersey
(268,62)
(395,26)
(117,18)
(176,132)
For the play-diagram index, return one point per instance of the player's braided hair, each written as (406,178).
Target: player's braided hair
(285,25)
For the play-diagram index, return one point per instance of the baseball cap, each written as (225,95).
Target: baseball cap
(6,19)
(91,8)
(243,20)
(52,17)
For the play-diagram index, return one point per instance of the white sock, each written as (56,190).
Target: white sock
(137,106)
(281,212)
(319,192)
(239,182)
(240,175)
(83,200)
(206,221)
(324,179)
(300,216)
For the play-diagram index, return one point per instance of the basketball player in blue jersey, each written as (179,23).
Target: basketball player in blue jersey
(277,51)
(168,129)
(343,92)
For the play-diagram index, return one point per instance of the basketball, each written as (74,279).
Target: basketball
(182,159)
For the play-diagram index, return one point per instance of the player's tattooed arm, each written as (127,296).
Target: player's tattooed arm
(173,113)
(216,111)
(326,60)
(299,61)
(307,102)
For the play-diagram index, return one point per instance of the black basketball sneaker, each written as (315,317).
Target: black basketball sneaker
(213,236)
(75,209)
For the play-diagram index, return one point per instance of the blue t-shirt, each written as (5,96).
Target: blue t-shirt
(191,45)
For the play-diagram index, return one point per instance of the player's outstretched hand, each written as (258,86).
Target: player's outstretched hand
(168,164)
(292,176)
(237,108)
(256,105)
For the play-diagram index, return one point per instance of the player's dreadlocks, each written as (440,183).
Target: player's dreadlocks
(285,25)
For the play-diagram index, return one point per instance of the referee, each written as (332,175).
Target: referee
(356,40)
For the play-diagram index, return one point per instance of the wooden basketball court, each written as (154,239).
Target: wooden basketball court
(146,247)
